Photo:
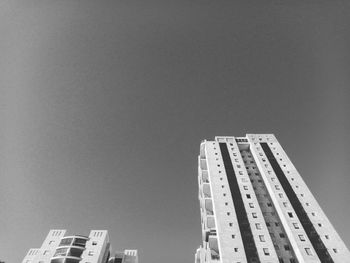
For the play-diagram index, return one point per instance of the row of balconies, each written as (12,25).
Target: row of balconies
(70,250)
(209,236)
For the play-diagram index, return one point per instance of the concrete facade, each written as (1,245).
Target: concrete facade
(95,248)
(255,207)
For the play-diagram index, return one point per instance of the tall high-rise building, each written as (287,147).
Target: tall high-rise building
(255,207)
(95,248)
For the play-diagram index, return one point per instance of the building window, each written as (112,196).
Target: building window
(290,214)
(251,205)
(296,226)
(302,238)
(308,251)
(258,226)
(262,238)
(282,235)
(254,215)
(266,251)
(286,247)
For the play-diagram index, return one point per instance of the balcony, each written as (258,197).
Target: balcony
(214,247)
(208,203)
(65,260)
(206,190)
(78,241)
(202,151)
(203,164)
(205,177)
(211,222)
(69,251)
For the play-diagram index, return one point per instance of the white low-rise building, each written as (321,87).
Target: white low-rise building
(95,248)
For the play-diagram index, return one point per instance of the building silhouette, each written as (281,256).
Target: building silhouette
(255,207)
(95,248)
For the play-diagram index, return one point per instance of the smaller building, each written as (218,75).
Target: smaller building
(128,256)
(61,248)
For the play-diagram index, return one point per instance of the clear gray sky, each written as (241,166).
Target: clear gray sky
(103,105)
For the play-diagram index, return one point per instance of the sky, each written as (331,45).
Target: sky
(103,105)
